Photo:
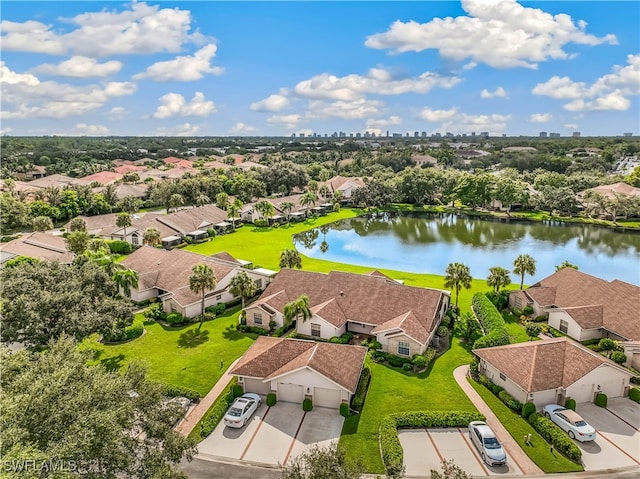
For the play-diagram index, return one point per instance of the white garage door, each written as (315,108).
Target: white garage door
(323,397)
(256,386)
(290,392)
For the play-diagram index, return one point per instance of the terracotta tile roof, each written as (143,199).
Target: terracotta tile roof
(270,357)
(42,246)
(171,160)
(616,188)
(128,168)
(570,288)
(170,270)
(214,165)
(362,298)
(104,177)
(542,365)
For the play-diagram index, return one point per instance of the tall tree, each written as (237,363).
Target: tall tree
(524,264)
(222,200)
(233,210)
(174,202)
(457,275)
(202,279)
(77,224)
(151,236)
(242,285)
(286,207)
(265,209)
(498,278)
(125,279)
(309,199)
(56,407)
(129,204)
(322,462)
(297,309)
(467,324)
(202,200)
(77,242)
(290,258)
(565,264)
(123,220)
(41,223)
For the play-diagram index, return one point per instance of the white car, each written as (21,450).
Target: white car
(571,422)
(242,409)
(487,444)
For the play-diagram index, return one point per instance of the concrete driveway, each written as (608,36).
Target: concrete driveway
(274,435)
(618,441)
(424,449)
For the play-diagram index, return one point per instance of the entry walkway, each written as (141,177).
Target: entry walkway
(514,451)
(197,413)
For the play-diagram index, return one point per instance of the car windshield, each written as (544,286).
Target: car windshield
(234,411)
(491,443)
(581,423)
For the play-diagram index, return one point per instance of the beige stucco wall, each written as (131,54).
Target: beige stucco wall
(266,318)
(517,294)
(511,387)
(611,380)
(138,296)
(390,344)
(309,379)
(327,330)
(574,330)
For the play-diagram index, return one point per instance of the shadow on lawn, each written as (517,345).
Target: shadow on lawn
(232,334)
(193,338)
(113,363)
(350,425)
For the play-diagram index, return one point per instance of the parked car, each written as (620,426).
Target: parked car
(571,422)
(242,409)
(487,444)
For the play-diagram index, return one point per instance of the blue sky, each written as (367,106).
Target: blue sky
(276,68)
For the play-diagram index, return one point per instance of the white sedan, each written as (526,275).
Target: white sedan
(242,409)
(571,422)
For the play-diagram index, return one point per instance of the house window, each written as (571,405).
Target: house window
(258,283)
(219,297)
(503,377)
(315,330)
(564,326)
(257,318)
(403,348)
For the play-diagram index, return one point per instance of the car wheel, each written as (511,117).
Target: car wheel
(548,415)
(484,459)
(259,402)
(571,434)
(245,422)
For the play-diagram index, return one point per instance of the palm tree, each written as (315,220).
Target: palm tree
(524,264)
(309,198)
(566,264)
(202,200)
(174,202)
(498,278)
(125,279)
(457,275)
(129,204)
(233,210)
(151,236)
(290,258)
(202,279)
(286,207)
(297,309)
(242,285)
(324,191)
(123,220)
(103,258)
(265,209)
(222,200)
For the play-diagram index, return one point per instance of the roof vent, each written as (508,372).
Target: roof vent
(341,293)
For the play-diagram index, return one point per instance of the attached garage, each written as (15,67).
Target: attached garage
(323,397)
(290,392)
(256,386)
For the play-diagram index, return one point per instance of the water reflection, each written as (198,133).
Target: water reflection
(427,242)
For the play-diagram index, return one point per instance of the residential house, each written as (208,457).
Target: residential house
(249,213)
(296,369)
(104,177)
(611,191)
(165,275)
(402,318)
(422,160)
(345,185)
(585,307)
(38,245)
(58,181)
(552,371)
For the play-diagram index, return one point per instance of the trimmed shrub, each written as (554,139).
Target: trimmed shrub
(570,404)
(419,361)
(556,436)
(343,339)
(634,394)
(271,399)
(361,390)
(618,357)
(388,432)
(216,413)
(528,310)
(280,331)
(528,409)
(119,247)
(540,319)
(237,390)
(496,333)
(243,328)
(261,223)
(179,391)
(607,344)
(500,300)
(601,400)
(272,325)
(175,318)
(407,366)
(132,332)
(442,331)
(307,405)
(509,400)
(344,409)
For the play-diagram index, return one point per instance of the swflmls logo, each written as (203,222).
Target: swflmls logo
(50,465)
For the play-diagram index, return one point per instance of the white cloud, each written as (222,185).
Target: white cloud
(347,110)
(571,126)
(305,132)
(500,33)
(91,130)
(375,124)
(458,122)
(497,93)
(540,117)
(240,127)
(117,113)
(377,81)
(184,129)
(142,29)
(25,96)
(80,67)
(4,131)
(609,92)
(274,102)
(174,104)
(289,122)
(183,68)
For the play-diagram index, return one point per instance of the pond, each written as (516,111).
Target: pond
(427,243)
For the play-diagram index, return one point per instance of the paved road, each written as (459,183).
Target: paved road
(202,469)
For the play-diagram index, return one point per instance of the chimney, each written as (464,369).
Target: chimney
(341,293)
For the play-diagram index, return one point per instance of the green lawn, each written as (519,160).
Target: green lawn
(518,427)
(185,356)
(517,333)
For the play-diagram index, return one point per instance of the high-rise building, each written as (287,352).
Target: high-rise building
(627,134)
(416,134)
(554,135)
(576,134)
(543,134)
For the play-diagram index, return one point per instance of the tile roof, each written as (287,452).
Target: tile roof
(42,246)
(188,220)
(269,358)
(407,323)
(103,177)
(58,181)
(619,188)
(342,182)
(542,365)
(362,298)
(617,301)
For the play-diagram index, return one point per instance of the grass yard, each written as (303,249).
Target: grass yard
(518,427)
(517,334)
(183,356)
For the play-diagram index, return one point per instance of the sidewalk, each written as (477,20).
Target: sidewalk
(514,451)
(197,413)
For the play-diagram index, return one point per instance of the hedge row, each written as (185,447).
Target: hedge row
(179,391)
(503,395)
(634,394)
(217,411)
(361,391)
(388,432)
(496,333)
(556,436)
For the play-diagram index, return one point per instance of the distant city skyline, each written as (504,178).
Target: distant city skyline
(201,68)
